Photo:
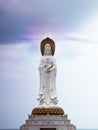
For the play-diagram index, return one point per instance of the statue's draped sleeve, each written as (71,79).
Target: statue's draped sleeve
(42,76)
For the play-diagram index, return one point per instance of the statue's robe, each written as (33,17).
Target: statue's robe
(47,92)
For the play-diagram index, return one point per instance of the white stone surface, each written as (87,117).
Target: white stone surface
(47,70)
(35,122)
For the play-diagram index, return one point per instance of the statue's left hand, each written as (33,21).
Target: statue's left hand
(49,69)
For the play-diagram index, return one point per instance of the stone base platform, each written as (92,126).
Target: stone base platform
(49,121)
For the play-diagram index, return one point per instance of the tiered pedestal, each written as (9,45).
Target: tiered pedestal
(47,119)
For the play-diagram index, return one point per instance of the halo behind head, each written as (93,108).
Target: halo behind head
(50,42)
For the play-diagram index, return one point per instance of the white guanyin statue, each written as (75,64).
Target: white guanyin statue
(47,69)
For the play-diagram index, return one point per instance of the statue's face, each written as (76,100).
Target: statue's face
(47,50)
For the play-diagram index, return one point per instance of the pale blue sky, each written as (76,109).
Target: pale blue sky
(73,25)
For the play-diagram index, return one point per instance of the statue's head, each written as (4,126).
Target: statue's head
(47,49)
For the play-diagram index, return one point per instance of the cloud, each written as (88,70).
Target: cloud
(77,81)
(21,18)
(16,85)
